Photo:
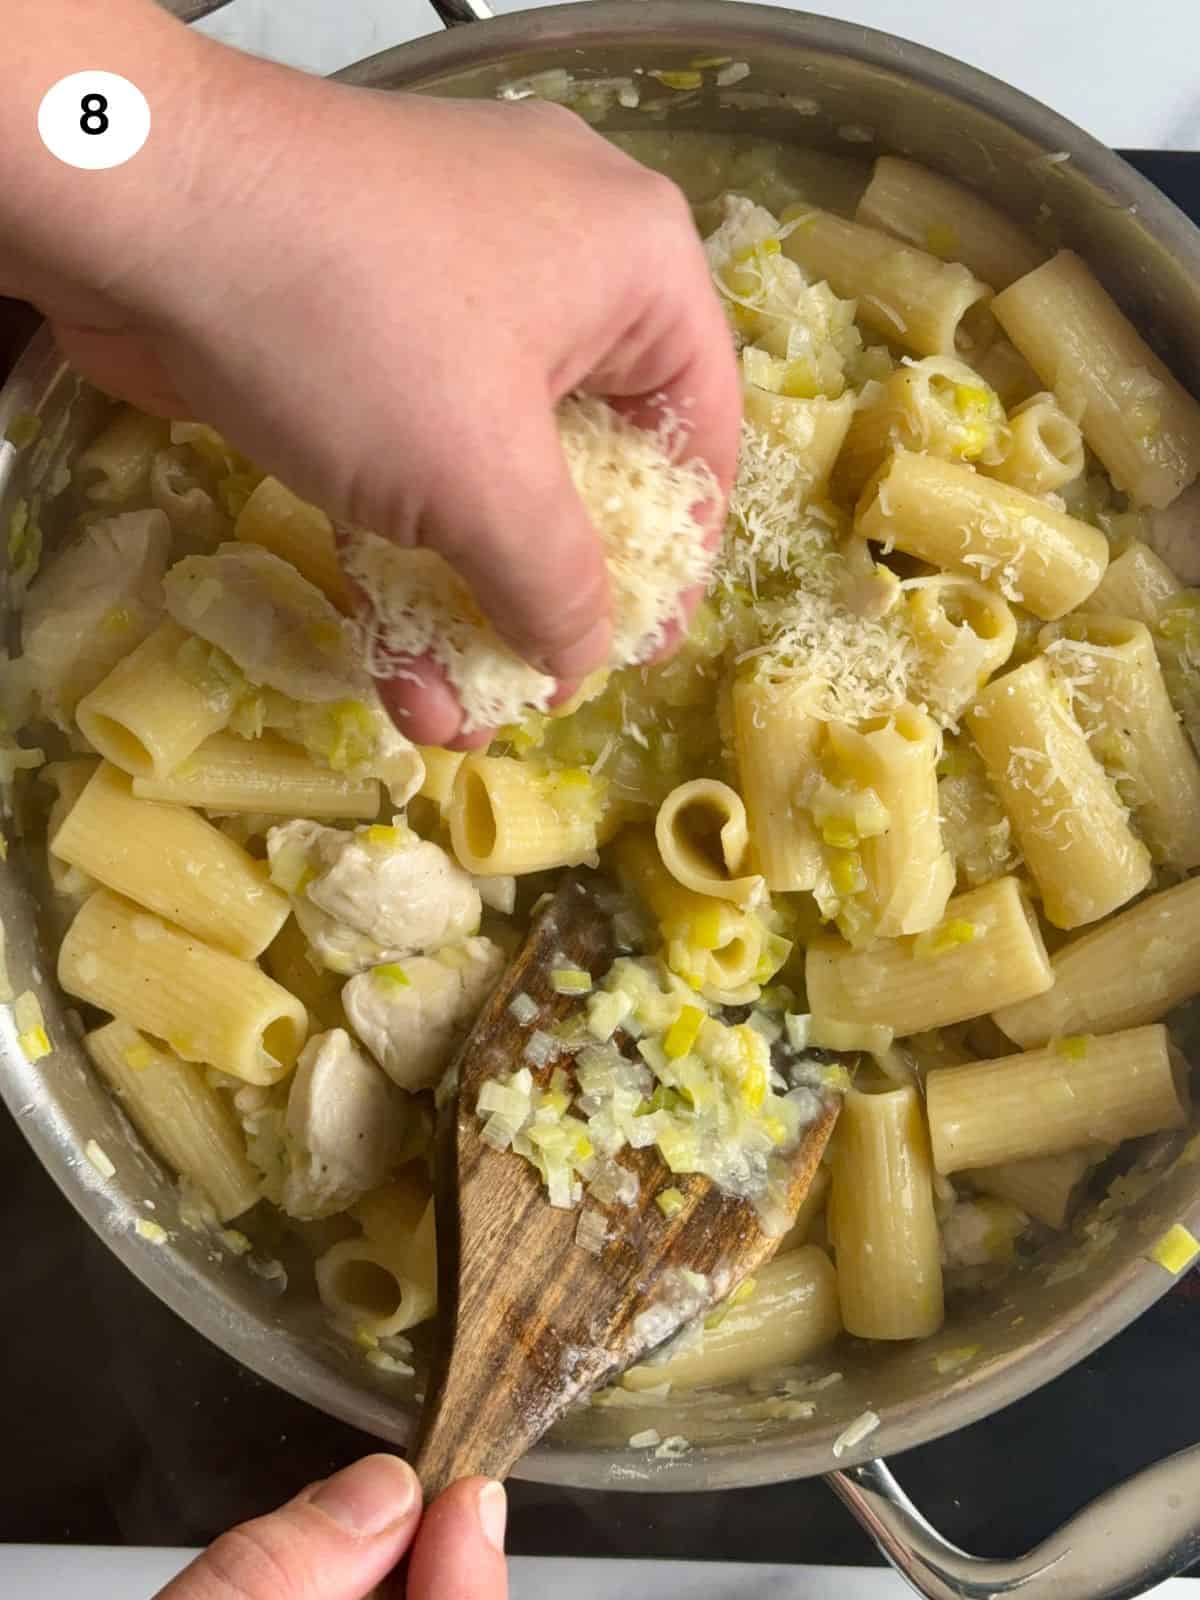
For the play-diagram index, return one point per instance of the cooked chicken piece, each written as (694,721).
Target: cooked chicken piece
(93,603)
(412,1019)
(1174,534)
(371,896)
(345,1125)
(279,628)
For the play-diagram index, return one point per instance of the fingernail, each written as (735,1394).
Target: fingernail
(493,1514)
(578,658)
(370,1497)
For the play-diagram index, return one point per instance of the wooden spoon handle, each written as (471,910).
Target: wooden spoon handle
(450,1449)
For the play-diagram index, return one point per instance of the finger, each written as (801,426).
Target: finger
(335,1541)
(459,1552)
(677,361)
(420,701)
(508,518)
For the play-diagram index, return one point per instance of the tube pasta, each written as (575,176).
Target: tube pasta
(708,939)
(883,1226)
(775,739)
(287,526)
(116,465)
(265,775)
(318,990)
(954,518)
(207,1004)
(948,220)
(148,716)
(1137,585)
(1131,970)
(507,818)
(170,860)
(70,779)
(1006,370)
(1116,1086)
(1045,449)
(1121,703)
(385,1282)
(1138,418)
(790,1316)
(1049,1188)
(909,873)
(703,840)
(910,297)
(178,1115)
(964,634)
(1072,829)
(441,769)
(939,405)
(812,429)
(987,944)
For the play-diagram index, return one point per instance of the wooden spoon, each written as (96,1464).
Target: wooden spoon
(529,1321)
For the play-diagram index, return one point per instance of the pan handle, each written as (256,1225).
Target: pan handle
(192,10)
(454,13)
(1133,1537)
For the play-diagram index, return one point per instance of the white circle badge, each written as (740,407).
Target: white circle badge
(94,120)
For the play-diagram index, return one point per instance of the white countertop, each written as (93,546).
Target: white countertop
(1127,71)
(81,1573)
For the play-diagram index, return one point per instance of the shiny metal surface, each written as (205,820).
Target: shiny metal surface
(1127,1541)
(453,13)
(849,90)
(193,10)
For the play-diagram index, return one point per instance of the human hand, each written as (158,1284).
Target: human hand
(340,1538)
(381,298)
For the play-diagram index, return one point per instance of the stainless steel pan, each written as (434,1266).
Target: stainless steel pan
(846,89)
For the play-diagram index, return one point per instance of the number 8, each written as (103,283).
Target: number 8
(93,120)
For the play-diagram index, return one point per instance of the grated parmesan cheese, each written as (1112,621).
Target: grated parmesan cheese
(642,502)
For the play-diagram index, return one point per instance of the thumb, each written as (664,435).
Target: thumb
(334,1541)
(459,1553)
(506,515)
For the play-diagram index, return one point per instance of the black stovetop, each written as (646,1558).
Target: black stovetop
(122,1426)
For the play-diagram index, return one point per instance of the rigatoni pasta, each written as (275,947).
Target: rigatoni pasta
(948,220)
(149,714)
(907,295)
(987,944)
(207,1004)
(775,739)
(1081,1090)
(1073,831)
(883,1227)
(703,840)
(1121,703)
(505,818)
(170,860)
(1049,1188)
(1045,448)
(908,873)
(790,1315)
(1134,968)
(301,533)
(179,1115)
(266,775)
(1135,415)
(949,515)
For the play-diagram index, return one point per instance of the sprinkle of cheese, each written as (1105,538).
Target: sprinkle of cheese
(1176,1250)
(642,502)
